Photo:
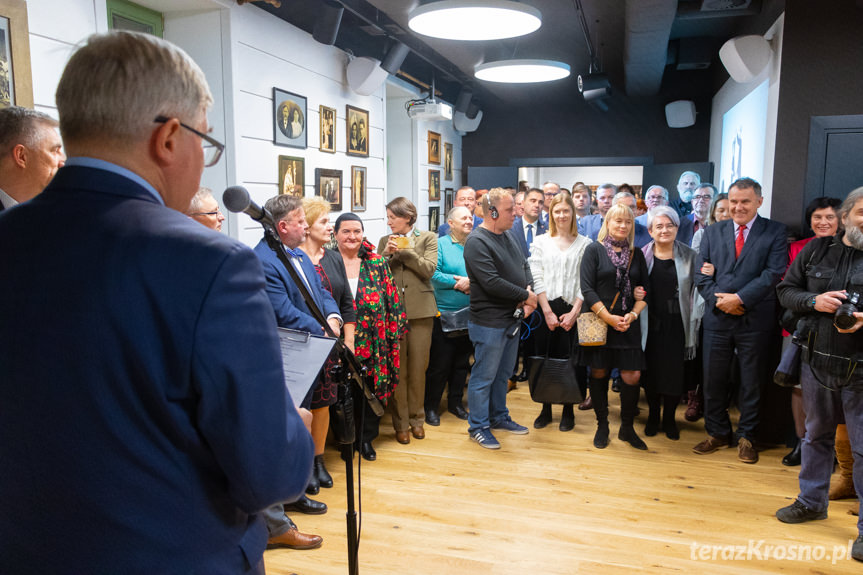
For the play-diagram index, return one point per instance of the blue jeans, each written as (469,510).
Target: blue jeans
(825,409)
(494,354)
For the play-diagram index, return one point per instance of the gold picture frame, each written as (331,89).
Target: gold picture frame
(16,78)
(434,148)
(328,129)
(292,176)
(358,189)
(357,131)
(447,162)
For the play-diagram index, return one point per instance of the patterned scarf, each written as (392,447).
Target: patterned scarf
(621,263)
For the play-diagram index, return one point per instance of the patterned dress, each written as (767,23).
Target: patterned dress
(381,322)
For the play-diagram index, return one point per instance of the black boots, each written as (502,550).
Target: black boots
(567,418)
(654,404)
(628,408)
(544,417)
(669,424)
(599,393)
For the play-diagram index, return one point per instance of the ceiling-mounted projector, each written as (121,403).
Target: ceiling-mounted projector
(430,111)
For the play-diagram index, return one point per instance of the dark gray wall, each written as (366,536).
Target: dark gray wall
(574,129)
(822,57)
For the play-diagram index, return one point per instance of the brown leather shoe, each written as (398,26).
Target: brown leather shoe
(710,445)
(293,539)
(403,437)
(746,451)
(418,432)
(586,405)
(511,384)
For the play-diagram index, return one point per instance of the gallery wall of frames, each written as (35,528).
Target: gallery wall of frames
(282,106)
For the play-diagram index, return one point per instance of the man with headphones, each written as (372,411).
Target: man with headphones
(500,295)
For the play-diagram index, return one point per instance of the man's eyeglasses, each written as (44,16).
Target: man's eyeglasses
(702,197)
(215,213)
(212,148)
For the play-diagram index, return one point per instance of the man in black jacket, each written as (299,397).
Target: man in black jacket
(821,285)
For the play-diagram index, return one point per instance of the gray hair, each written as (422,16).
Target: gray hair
(282,205)
(453,211)
(623,196)
(115,86)
(690,173)
(708,185)
(22,126)
(197,203)
(664,190)
(853,197)
(662,211)
(556,185)
(605,187)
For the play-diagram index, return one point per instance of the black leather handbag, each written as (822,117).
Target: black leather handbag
(454,323)
(552,380)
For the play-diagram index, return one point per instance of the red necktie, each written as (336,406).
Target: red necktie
(738,243)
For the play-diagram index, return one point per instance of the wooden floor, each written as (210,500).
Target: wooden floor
(549,503)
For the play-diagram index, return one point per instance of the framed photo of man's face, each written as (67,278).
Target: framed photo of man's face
(292,176)
(434,148)
(447,162)
(328,185)
(358,189)
(357,128)
(289,119)
(434,185)
(328,129)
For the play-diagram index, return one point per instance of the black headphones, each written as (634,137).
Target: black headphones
(492,211)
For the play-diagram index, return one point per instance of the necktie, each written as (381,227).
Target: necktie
(529,235)
(738,243)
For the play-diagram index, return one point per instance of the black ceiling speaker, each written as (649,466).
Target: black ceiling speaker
(328,22)
(395,57)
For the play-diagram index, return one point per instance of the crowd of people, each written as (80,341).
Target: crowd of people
(680,296)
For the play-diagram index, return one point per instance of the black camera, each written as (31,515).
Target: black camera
(844,316)
(519,313)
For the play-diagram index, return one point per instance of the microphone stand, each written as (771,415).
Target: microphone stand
(355,372)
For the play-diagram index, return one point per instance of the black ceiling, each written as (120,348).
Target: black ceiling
(369,27)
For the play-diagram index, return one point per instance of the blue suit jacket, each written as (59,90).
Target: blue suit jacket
(753,276)
(516,232)
(443,229)
(145,416)
(288,303)
(590,225)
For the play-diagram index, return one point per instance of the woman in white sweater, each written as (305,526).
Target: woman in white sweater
(555,261)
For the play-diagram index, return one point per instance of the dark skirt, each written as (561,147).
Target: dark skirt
(604,357)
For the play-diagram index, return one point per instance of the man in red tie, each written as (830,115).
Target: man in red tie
(741,261)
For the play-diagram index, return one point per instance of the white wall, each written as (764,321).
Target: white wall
(244,52)
(407,153)
(565,176)
(732,92)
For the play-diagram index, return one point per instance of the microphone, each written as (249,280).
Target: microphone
(236,199)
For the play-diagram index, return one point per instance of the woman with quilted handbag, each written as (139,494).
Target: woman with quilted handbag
(611,272)
(555,262)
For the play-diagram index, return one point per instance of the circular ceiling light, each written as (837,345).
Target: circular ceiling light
(474,19)
(522,71)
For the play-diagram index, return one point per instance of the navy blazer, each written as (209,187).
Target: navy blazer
(288,303)
(590,225)
(516,231)
(145,416)
(753,276)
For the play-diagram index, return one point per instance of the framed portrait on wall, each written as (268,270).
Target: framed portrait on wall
(16,79)
(292,176)
(434,185)
(447,162)
(328,129)
(328,185)
(357,129)
(358,189)
(447,201)
(289,119)
(434,148)
(434,218)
